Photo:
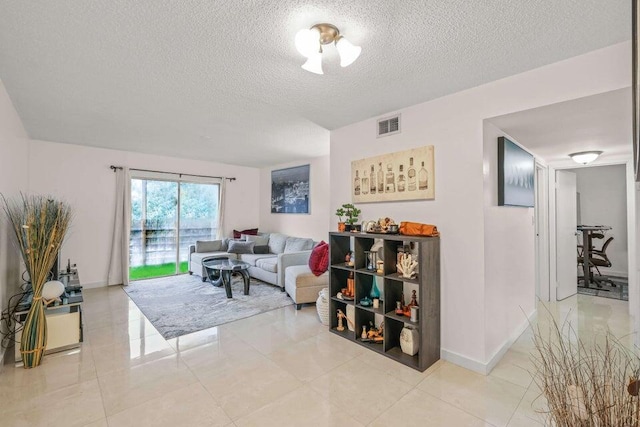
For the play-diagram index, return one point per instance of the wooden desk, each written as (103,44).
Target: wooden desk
(587,230)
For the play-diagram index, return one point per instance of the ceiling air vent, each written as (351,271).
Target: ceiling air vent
(389,126)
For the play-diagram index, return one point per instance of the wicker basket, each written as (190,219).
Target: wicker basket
(322,306)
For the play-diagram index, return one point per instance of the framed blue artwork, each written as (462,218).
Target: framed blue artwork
(516,168)
(290,190)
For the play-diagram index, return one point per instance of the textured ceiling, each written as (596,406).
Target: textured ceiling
(599,122)
(221,80)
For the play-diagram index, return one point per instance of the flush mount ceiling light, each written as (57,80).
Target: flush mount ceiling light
(585,157)
(309,43)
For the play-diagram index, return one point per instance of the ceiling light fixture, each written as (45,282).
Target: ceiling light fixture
(309,43)
(585,157)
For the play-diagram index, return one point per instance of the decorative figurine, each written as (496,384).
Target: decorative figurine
(375,334)
(340,317)
(407,266)
(349,259)
(399,311)
(414,300)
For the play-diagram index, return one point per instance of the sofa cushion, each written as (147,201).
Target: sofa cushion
(319,258)
(258,240)
(199,257)
(268,264)
(251,259)
(297,244)
(277,243)
(237,234)
(208,245)
(240,247)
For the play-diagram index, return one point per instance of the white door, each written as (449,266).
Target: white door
(566,223)
(542,233)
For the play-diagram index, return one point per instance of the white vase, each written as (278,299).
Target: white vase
(409,340)
(351,315)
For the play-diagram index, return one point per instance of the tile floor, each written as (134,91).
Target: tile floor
(281,368)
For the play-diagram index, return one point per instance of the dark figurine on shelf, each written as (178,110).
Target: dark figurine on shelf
(414,300)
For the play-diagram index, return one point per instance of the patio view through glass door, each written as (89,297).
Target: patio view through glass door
(166,217)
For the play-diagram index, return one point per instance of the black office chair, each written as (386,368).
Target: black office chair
(598,259)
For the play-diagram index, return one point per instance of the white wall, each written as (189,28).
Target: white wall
(509,257)
(316,224)
(81,175)
(14,166)
(603,200)
(454,125)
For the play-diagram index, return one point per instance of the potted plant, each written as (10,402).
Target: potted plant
(39,224)
(340,212)
(352,213)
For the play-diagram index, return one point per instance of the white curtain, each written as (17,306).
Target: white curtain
(220,229)
(119,259)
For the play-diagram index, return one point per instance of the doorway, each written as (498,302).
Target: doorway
(167,216)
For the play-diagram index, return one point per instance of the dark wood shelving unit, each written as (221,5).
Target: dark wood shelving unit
(391,285)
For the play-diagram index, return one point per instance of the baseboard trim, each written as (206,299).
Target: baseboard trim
(482,367)
(463,361)
(500,351)
(92,285)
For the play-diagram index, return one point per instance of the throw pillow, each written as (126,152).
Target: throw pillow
(261,250)
(258,239)
(319,259)
(208,245)
(252,231)
(240,247)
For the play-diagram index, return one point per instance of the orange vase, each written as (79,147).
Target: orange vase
(342,226)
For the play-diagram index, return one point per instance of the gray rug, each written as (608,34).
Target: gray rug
(180,305)
(619,291)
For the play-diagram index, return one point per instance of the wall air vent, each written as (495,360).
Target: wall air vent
(389,126)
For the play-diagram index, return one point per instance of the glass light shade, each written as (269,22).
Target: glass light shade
(585,157)
(348,52)
(308,42)
(314,64)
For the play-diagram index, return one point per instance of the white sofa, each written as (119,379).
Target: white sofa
(281,250)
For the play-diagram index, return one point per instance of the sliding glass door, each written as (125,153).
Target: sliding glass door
(166,217)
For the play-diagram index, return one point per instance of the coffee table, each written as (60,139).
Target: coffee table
(220,270)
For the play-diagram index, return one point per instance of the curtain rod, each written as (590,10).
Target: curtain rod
(112,167)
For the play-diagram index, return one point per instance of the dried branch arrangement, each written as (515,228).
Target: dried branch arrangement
(39,224)
(586,385)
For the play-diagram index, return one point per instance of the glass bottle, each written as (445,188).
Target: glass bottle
(401,181)
(372,181)
(391,180)
(356,185)
(365,183)
(411,173)
(423,183)
(375,292)
(380,179)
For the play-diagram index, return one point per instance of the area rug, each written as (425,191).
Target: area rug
(620,291)
(180,305)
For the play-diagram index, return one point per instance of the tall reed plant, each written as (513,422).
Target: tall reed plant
(586,385)
(39,224)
